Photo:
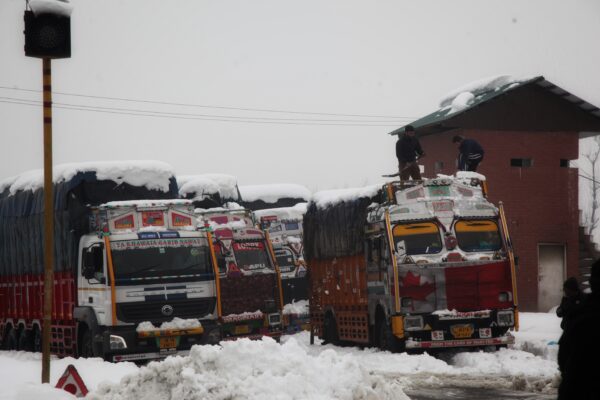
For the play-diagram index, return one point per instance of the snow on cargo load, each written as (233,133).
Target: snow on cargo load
(209,190)
(259,197)
(154,175)
(145,215)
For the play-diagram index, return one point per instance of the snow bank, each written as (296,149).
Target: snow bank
(208,184)
(274,192)
(538,334)
(283,213)
(22,371)
(328,198)
(296,307)
(57,7)
(151,174)
(246,369)
(176,323)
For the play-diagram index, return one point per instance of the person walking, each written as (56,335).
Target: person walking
(408,151)
(570,303)
(470,153)
(579,348)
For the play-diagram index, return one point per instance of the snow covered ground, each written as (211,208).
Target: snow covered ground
(296,370)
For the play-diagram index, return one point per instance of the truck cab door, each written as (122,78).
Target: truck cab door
(92,279)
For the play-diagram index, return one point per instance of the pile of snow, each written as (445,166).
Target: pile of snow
(328,198)
(151,174)
(274,192)
(538,334)
(22,371)
(201,186)
(468,175)
(176,323)
(283,213)
(296,307)
(245,369)
(56,7)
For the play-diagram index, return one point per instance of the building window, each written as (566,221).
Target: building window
(564,163)
(521,162)
(438,166)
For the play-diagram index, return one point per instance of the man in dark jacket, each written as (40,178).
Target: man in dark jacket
(570,303)
(579,348)
(470,153)
(408,151)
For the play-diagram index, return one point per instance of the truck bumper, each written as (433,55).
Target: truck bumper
(497,341)
(141,346)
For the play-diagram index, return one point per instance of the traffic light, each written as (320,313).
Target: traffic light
(47,35)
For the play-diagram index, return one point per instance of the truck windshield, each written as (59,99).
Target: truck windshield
(251,256)
(285,260)
(419,238)
(478,235)
(164,258)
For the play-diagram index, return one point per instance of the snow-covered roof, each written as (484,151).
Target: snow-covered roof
(272,193)
(208,184)
(328,198)
(473,94)
(283,213)
(154,175)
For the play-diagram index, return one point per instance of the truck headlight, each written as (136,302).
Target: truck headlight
(506,318)
(117,343)
(274,319)
(414,323)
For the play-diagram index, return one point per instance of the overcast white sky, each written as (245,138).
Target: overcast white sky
(384,58)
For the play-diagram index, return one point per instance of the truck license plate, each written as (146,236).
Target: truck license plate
(168,342)
(241,329)
(462,331)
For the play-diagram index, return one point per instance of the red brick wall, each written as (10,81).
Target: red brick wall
(541,201)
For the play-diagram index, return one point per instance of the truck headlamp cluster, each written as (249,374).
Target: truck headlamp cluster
(413,323)
(506,318)
(117,343)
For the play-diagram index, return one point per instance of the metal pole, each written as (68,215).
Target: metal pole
(48,222)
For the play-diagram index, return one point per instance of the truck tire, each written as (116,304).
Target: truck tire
(330,333)
(26,340)
(86,346)
(12,340)
(385,338)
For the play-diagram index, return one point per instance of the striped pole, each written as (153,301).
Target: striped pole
(48,222)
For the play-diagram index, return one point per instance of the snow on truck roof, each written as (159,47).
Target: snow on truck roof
(208,184)
(274,192)
(154,175)
(283,213)
(327,198)
(147,203)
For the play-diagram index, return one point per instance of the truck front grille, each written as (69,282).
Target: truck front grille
(152,310)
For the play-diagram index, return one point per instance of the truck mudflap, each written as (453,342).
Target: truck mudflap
(435,344)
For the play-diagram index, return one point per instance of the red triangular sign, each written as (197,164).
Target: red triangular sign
(71,382)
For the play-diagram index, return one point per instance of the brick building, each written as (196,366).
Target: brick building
(530,130)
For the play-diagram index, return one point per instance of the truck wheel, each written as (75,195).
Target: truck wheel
(386,339)
(330,333)
(11,342)
(86,347)
(36,340)
(25,340)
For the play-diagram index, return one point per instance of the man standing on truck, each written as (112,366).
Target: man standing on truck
(408,151)
(470,153)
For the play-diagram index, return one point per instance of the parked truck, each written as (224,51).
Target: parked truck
(411,266)
(285,230)
(249,279)
(128,260)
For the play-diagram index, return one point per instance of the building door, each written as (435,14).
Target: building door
(551,275)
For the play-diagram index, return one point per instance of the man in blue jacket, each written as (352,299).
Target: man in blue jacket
(470,153)
(408,151)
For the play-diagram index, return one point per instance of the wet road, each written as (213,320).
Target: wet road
(474,393)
